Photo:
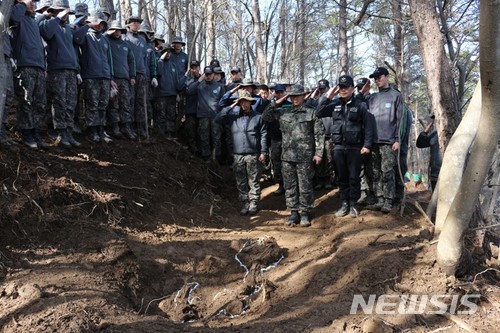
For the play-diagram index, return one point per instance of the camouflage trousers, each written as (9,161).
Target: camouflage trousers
(384,161)
(189,128)
(297,180)
(62,96)
(209,132)
(119,109)
(276,160)
(9,89)
(246,172)
(96,92)
(325,169)
(29,86)
(166,114)
(139,98)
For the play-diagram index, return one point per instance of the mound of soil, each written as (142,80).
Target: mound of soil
(145,237)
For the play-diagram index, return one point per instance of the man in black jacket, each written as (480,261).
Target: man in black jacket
(352,136)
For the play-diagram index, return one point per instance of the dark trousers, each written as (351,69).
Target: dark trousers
(348,164)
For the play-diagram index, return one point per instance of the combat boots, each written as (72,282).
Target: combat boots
(62,138)
(128,132)
(94,134)
(115,130)
(71,139)
(244,208)
(38,139)
(253,208)
(293,219)
(28,139)
(377,205)
(387,207)
(305,219)
(104,136)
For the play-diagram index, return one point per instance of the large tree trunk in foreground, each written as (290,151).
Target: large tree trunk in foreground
(450,249)
(5,10)
(455,158)
(440,83)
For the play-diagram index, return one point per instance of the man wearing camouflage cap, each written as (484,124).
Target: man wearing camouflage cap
(120,115)
(302,145)
(96,73)
(139,91)
(29,78)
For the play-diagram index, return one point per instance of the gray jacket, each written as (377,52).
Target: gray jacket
(249,133)
(387,109)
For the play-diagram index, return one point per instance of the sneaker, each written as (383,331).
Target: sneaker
(253,208)
(293,219)
(343,210)
(280,190)
(244,210)
(305,219)
(377,205)
(353,210)
(387,207)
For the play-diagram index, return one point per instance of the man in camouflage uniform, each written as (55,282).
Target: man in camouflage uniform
(151,69)
(208,93)
(169,86)
(120,114)
(139,91)
(249,136)
(96,73)
(61,71)
(302,145)
(387,107)
(191,122)
(9,88)
(30,81)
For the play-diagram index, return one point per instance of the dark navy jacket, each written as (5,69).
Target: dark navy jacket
(170,84)
(27,43)
(60,51)
(209,94)
(95,53)
(139,47)
(122,58)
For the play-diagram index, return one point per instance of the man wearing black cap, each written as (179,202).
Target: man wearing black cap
(236,78)
(429,138)
(302,146)
(139,90)
(352,135)
(190,124)
(62,68)
(209,93)
(387,107)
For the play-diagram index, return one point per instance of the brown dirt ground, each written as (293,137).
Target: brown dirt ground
(138,237)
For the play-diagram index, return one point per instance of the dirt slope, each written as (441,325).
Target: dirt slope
(136,237)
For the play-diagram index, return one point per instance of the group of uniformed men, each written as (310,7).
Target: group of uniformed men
(130,80)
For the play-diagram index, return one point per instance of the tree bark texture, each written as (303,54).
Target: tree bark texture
(440,82)
(5,10)
(343,47)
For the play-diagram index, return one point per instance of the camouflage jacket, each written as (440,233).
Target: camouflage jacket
(302,131)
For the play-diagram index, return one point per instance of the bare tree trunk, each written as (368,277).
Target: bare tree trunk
(211,47)
(450,249)
(302,41)
(455,157)
(343,47)
(284,38)
(440,83)
(109,6)
(5,11)
(190,29)
(261,61)
(397,16)
(125,9)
